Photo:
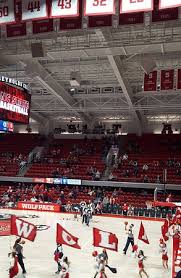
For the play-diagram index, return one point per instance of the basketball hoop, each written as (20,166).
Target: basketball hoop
(149,204)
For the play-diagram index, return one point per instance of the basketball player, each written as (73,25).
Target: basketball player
(164,251)
(141,258)
(13,271)
(130,239)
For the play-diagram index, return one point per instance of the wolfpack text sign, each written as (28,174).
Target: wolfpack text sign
(38,206)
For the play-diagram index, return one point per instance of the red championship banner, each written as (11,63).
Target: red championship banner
(34,9)
(16,30)
(167,79)
(164,4)
(131,6)
(38,206)
(100,21)
(7,11)
(99,7)
(132,18)
(64,8)
(42,26)
(5,227)
(179,79)
(163,14)
(150,81)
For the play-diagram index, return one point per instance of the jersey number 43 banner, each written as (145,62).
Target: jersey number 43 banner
(131,6)
(7,13)
(34,9)
(64,8)
(99,7)
(164,4)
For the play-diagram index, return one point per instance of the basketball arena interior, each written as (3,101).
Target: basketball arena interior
(90,138)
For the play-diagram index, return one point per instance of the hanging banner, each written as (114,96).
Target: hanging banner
(132,18)
(64,8)
(179,79)
(34,9)
(99,7)
(150,81)
(131,6)
(7,13)
(163,14)
(100,21)
(16,30)
(42,26)
(167,79)
(164,4)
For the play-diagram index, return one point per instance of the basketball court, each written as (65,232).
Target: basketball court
(39,254)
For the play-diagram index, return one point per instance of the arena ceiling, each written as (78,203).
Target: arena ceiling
(108,62)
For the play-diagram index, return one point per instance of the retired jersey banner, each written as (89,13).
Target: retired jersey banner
(167,79)
(64,8)
(164,4)
(179,79)
(131,6)
(7,11)
(150,81)
(99,7)
(34,9)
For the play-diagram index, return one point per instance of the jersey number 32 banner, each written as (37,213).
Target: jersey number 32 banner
(131,6)
(7,14)
(64,8)
(99,7)
(34,9)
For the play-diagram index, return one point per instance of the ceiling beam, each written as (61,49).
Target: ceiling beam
(35,69)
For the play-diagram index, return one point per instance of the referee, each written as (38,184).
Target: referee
(130,239)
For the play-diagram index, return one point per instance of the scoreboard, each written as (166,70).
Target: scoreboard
(14,102)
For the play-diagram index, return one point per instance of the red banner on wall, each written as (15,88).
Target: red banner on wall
(179,79)
(5,227)
(150,81)
(16,30)
(38,206)
(100,21)
(42,26)
(167,79)
(132,18)
(165,14)
(131,6)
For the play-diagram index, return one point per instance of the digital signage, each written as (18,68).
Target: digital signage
(14,103)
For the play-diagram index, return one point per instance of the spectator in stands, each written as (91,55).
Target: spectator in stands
(158,179)
(125,209)
(97,175)
(145,168)
(145,179)
(125,157)
(105,202)
(169,198)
